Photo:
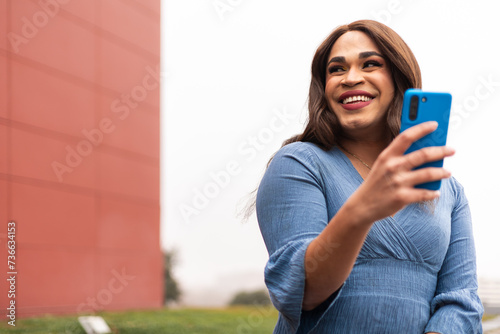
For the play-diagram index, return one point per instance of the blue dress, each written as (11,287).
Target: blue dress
(416,271)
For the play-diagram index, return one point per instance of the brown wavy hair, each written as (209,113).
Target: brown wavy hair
(323,128)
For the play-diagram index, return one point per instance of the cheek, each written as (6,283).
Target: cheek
(388,82)
(388,88)
(329,93)
(330,88)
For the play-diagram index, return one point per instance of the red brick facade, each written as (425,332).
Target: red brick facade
(79,155)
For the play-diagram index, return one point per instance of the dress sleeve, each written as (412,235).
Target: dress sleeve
(291,211)
(456,307)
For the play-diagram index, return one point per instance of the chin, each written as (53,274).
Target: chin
(356,124)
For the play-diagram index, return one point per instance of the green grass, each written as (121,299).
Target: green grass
(238,320)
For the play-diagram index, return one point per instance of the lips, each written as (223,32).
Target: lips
(355,99)
(355,96)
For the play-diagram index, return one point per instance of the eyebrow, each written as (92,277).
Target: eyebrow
(362,55)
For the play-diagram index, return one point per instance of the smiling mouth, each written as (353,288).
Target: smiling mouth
(356,99)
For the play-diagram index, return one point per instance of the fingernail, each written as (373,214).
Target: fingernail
(450,150)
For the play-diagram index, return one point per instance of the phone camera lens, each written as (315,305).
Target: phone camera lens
(414,107)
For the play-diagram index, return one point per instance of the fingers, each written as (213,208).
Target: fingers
(404,181)
(424,155)
(404,140)
(393,176)
(425,175)
(420,195)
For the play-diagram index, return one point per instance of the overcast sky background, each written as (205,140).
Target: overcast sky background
(236,77)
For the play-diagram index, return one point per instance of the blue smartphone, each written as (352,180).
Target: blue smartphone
(421,106)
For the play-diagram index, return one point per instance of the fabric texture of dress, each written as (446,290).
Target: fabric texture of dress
(416,271)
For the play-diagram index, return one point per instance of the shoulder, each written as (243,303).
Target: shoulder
(304,157)
(453,186)
(454,192)
(307,153)
(299,160)
(298,149)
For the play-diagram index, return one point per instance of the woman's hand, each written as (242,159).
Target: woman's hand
(387,189)
(390,185)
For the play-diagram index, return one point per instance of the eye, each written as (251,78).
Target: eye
(335,69)
(372,63)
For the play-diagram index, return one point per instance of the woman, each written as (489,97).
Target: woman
(354,247)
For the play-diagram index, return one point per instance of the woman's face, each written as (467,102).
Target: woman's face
(359,85)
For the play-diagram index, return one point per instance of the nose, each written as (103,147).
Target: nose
(353,77)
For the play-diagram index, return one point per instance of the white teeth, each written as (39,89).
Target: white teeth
(359,98)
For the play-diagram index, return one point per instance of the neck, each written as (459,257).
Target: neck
(367,149)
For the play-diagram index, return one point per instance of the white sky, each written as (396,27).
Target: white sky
(235,86)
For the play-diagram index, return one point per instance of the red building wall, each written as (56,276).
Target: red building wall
(79,155)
